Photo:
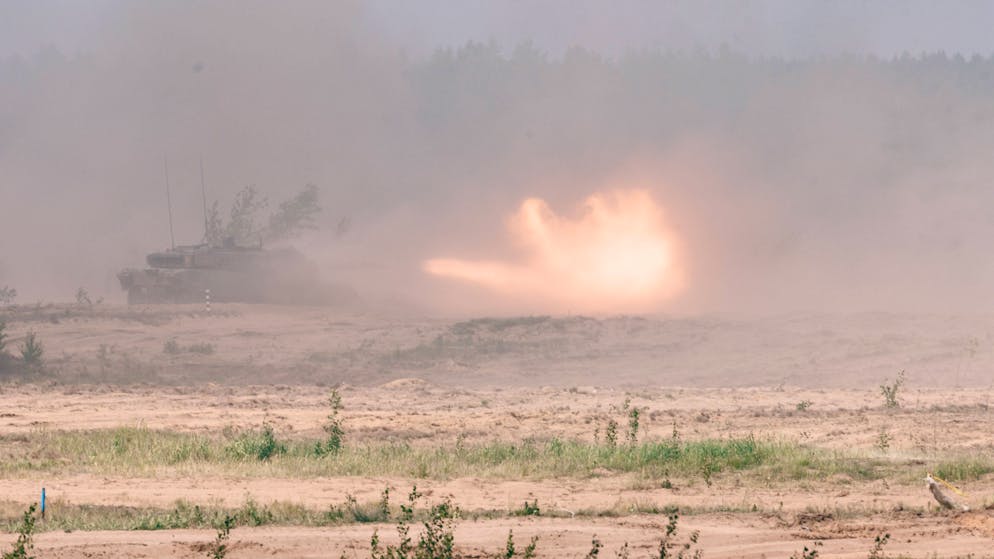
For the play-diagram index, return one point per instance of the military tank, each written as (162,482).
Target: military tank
(235,274)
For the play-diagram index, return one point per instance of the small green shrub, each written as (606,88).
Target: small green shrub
(253,515)
(889,391)
(509,549)
(509,546)
(32,350)
(7,295)
(670,547)
(528,509)
(883,440)
(633,425)
(611,433)
(384,504)
(352,511)
(261,445)
(807,553)
(437,539)
(25,533)
(83,297)
(6,360)
(403,549)
(877,551)
(595,548)
(219,547)
(804,405)
(333,427)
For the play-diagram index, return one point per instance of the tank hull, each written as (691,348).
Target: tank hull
(185,274)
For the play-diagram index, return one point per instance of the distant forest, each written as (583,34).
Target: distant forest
(827,168)
(475,112)
(648,97)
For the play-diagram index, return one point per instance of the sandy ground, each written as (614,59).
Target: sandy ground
(265,345)
(721,536)
(418,412)
(437,381)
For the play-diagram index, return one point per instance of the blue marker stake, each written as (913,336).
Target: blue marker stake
(43,502)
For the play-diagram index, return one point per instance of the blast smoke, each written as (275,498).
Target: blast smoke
(615,255)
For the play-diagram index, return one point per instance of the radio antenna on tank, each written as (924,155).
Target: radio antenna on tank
(203,192)
(169,204)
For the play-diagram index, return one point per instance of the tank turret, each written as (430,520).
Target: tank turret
(232,274)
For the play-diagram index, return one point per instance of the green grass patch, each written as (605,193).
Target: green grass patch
(140,451)
(964,469)
(68,517)
(63,516)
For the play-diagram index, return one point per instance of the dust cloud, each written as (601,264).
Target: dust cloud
(616,255)
(838,174)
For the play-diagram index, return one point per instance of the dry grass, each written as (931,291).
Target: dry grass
(130,451)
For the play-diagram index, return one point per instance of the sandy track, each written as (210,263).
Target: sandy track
(560,497)
(722,536)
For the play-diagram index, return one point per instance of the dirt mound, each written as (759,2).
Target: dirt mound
(406,383)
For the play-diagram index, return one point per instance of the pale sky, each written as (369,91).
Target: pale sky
(789,28)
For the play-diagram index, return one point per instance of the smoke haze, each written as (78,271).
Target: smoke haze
(802,159)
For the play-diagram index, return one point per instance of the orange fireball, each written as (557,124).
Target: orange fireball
(616,255)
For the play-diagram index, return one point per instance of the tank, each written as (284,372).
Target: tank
(233,274)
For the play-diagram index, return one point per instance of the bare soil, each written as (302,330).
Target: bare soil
(436,382)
